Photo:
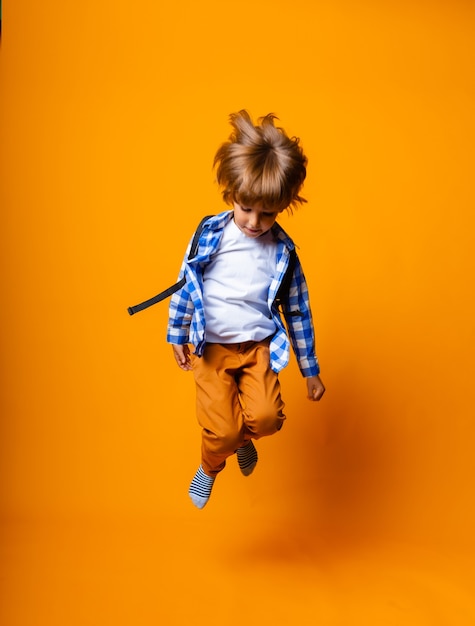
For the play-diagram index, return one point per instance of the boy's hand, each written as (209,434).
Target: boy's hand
(315,388)
(182,356)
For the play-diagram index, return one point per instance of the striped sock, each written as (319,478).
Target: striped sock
(200,488)
(247,458)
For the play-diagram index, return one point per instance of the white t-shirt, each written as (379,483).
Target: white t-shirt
(236,285)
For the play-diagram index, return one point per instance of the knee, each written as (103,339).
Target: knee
(265,423)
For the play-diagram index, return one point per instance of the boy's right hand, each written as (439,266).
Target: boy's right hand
(182,356)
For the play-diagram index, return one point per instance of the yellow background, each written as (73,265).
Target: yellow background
(361,510)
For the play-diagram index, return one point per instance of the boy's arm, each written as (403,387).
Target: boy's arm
(182,356)
(301,333)
(298,317)
(180,310)
(315,388)
(180,313)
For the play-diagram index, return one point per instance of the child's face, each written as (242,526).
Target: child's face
(254,221)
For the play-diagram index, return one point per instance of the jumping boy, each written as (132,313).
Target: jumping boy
(227,308)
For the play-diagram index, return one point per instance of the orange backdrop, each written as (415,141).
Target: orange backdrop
(361,510)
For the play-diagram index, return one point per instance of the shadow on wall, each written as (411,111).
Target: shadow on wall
(352,473)
(336,473)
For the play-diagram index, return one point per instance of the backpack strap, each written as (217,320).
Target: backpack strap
(196,237)
(283,292)
(284,287)
(166,293)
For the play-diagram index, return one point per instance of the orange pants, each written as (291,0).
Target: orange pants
(237,399)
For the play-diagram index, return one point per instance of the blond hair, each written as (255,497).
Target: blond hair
(260,164)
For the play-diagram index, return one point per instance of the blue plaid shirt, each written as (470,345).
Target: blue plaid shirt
(187,318)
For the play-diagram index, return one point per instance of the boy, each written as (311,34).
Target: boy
(227,307)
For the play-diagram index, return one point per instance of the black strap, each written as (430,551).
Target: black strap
(158,298)
(173,288)
(283,291)
(196,237)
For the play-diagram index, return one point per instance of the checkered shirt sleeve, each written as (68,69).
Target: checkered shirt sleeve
(298,318)
(181,309)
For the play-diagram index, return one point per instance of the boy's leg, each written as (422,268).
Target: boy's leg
(259,392)
(247,458)
(200,488)
(219,410)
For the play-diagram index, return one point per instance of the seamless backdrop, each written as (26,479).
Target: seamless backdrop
(361,509)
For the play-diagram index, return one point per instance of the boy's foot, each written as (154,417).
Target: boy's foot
(200,488)
(247,458)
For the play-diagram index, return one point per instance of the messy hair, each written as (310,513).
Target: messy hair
(260,164)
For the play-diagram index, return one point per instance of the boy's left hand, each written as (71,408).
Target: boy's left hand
(315,388)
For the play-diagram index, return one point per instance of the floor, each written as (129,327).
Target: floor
(146,571)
